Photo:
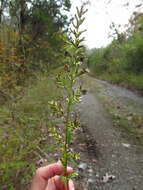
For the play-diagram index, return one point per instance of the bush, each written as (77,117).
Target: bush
(120,63)
(134,54)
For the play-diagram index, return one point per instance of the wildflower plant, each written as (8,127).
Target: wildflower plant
(66,79)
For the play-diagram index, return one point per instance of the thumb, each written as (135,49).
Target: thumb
(71,185)
(56,183)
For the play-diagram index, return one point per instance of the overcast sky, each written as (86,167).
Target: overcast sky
(101,14)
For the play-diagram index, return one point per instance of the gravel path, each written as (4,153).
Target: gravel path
(116,156)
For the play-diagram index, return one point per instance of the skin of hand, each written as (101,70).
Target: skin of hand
(48,178)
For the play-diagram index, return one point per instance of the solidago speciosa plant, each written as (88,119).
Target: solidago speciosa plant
(66,79)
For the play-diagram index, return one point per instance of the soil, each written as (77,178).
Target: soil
(109,159)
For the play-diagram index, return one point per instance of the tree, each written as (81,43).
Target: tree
(3,4)
(31,33)
(46,22)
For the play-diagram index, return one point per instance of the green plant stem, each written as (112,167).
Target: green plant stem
(66,145)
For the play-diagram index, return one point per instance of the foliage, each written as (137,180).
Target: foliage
(12,69)
(24,47)
(121,58)
(24,120)
(23,133)
(46,22)
(134,51)
(30,39)
(74,57)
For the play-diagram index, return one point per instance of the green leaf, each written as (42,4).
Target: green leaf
(73,175)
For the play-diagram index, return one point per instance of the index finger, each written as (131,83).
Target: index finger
(52,170)
(44,173)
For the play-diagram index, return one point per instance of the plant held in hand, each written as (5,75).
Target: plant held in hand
(66,79)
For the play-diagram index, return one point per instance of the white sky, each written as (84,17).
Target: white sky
(99,17)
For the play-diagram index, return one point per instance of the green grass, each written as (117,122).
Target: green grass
(131,128)
(23,132)
(128,80)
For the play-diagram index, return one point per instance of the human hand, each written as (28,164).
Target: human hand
(48,178)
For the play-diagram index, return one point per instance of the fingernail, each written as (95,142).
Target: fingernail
(69,168)
(59,162)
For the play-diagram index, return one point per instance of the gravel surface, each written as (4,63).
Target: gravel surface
(115,162)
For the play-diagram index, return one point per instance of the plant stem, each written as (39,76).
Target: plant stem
(66,145)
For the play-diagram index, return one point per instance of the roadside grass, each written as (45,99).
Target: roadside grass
(24,134)
(128,80)
(130,123)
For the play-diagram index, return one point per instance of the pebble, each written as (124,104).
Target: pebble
(56,156)
(107,178)
(126,145)
(90,171)
(82,166)
(91,181)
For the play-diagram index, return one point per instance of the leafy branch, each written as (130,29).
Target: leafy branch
(66,79)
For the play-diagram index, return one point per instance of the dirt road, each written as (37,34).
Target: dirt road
(115,162)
